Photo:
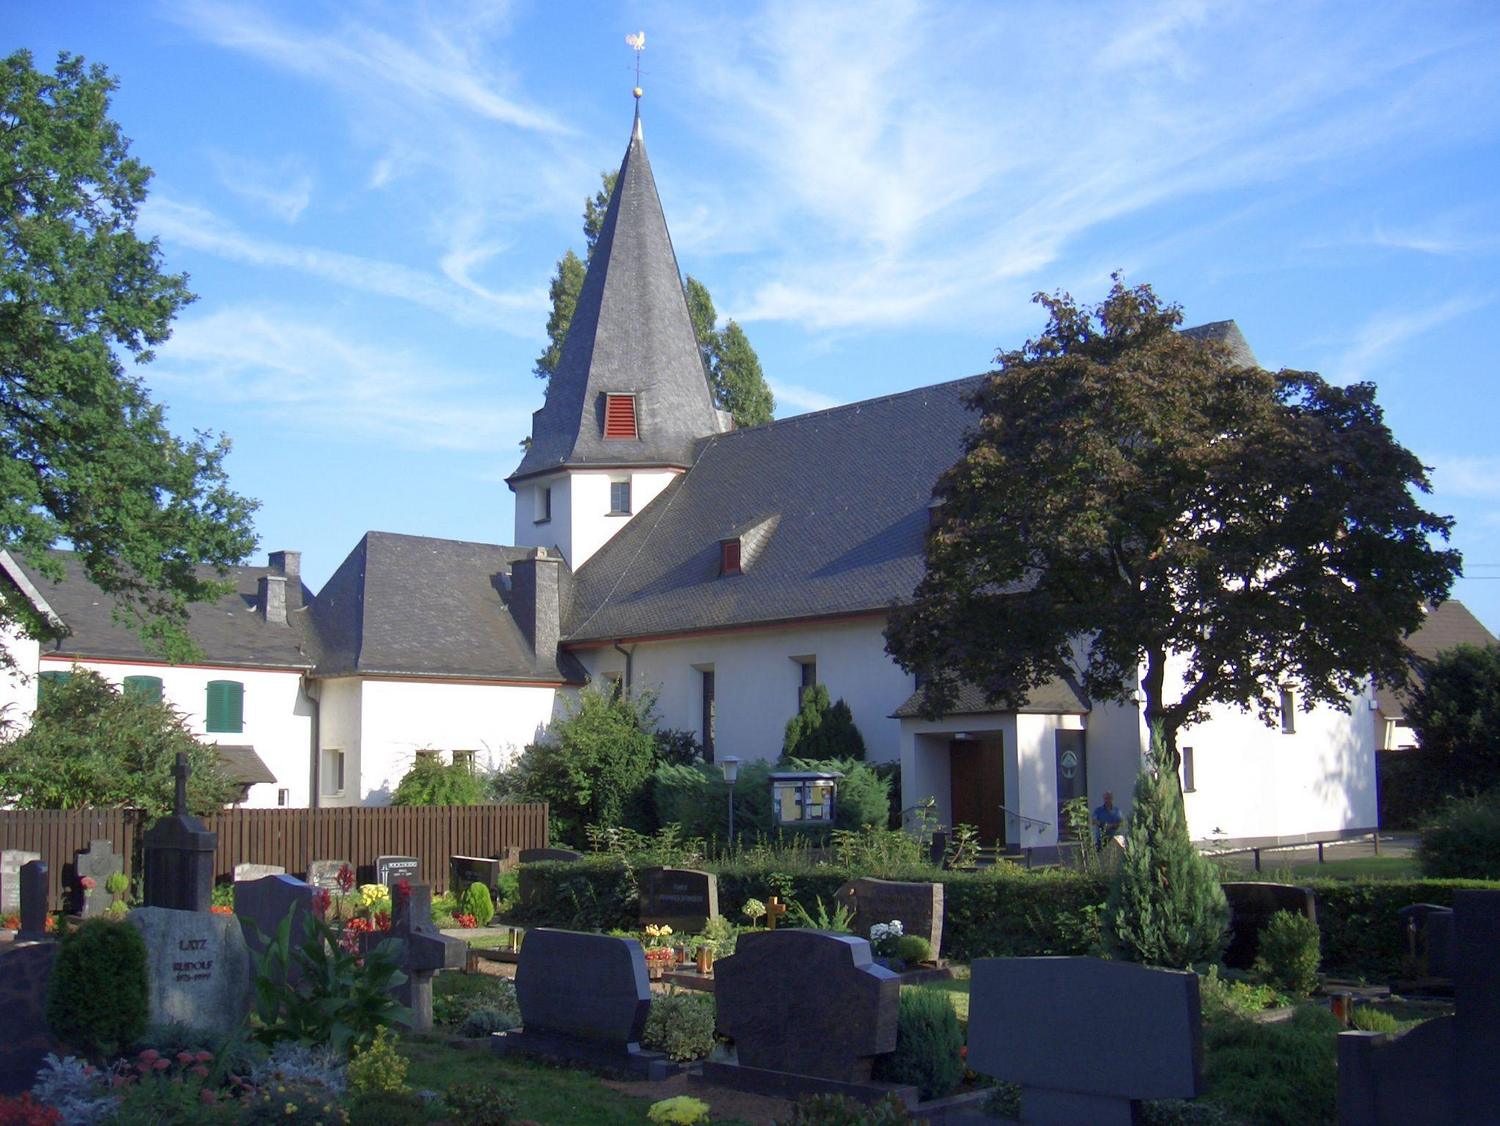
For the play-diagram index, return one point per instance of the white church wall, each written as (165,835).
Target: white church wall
(18,681)
(590,524)
(339,731)
(554,531)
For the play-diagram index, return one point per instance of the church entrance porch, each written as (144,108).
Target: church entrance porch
(976,769)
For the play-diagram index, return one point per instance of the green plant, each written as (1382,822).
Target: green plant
(1463,841)
(913,948)
(116,883)
(681,1110)
(841,1110)
(340,998)
(681,1024)
(839,919)
(963,846)
(457,997)
(431,781)
(388,1108)
(1289,955)
(377,1066)
(929,1044)
(295,1103)
(484,1022)
(477,902)
(158,1101)
(1366,1018)
(1166,907)
(222,895)
(1454,709)
(97,996)
(822,730)
(1275,1073)
(1223,998)
(479,1104)
(872,849)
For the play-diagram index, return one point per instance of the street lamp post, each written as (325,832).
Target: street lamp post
(731,768)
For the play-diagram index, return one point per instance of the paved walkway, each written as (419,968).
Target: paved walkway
(1402,845)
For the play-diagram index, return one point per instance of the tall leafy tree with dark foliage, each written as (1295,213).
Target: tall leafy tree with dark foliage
(1455,713)
(1130,495)
(85,455)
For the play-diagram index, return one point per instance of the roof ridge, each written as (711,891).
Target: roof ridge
(857,404)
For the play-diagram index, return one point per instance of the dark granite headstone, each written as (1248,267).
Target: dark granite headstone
(24,1037)
(96,864)
(1428,932)
(1251,906)
(1085,1038)
(179,855)
(389,869)
(584,999)
(806,1002)
(681,898)
(325,873)
(1443,1070)
(197,967)
(11,860)
(537,855)
(919,907)
(33,902)
(261,905)
(424,951)
(466,870)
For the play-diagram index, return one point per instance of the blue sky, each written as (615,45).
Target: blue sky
(370,199)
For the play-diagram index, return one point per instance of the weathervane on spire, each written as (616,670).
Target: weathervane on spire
(638,43)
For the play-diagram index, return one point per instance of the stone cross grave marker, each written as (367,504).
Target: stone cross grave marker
(24,1036)
(179,854)
(325,874)
(261,905)
(97,864)
(11,860)
(1443,1070)
(1251,905)
(681,898)
(584,1000)
(1085,1038)
(806,1003)
(197,967)
(33,902)
(424,951)
(919,906)
(389,869)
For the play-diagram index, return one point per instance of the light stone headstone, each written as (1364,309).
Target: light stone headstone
(96,863)
(243,873)
(197,967)
(1085,1038)
(325,873)
(11,860)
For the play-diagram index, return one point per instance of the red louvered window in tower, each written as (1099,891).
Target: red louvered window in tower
(619,416)
(729,559)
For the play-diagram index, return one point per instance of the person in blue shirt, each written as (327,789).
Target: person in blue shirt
(1106,819)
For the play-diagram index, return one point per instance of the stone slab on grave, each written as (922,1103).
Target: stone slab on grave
(179,854)
(244,873)
(33,902)
(97,864)
(1443,1070)
(25,1039)
(537,855)
(681,898)
(11,860)
(1251,905)
(1086,1039)
(389,869)
(424,950)
(197,968)
(260,906)
(325,873)
(466,870)
(584,1000)
(919,907)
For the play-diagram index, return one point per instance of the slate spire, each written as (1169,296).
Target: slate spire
(630,335)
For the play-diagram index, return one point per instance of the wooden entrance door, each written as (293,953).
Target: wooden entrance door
(977,776)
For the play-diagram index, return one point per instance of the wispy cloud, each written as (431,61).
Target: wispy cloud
(1385,333)
(1466,476)
(794,399)
(283,188)
(306,376)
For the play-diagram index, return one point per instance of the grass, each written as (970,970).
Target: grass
(1352,868)
(958,995)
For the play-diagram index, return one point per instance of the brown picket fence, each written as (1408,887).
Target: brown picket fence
(292,838)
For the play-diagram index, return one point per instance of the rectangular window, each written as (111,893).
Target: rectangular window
(1189,782)
(1288,712)
(146,688)
(808,676)
(729,557)
(619,416)
(543,504)
(226,706)
(49,680)
(333,772)
(282,797)
(619,498)
(466,759)
(709,710)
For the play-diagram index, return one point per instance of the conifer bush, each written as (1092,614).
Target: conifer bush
(477,901)
(1166,907)
(97,998)
(1289,953)
(822,730)
(929,1044)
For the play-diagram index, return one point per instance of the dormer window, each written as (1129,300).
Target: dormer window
(729,557)
(619,416)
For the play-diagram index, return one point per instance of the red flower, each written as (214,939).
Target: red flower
(466,921)
(220,909)
(345,878)
(403,889)
(382,920)
(320,901)
(150,1055)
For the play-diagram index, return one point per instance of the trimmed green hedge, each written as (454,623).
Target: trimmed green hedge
(1361,933)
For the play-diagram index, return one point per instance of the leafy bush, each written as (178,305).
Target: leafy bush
(913,948)
(305,1065)
(929,1044)
(677,747)
(822,730)
(1289,953)
(179,1101)
(431,781)
(681,1024)
(1283,1072)
(457,997)
(479,1104)
(1369,1019)
(97,997)
(681,1110)
(1232,999)
(696,799)
(377,1067)
(476,901)
(485,1022)
(841,1110)
(1463,841)
(1362,936)
(1455,710)
(1414,784)
(387,1108)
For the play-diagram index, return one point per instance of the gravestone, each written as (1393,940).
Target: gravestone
(537,855)
(584,1000)
(96,863)
(808,1003)
(466,870)
(24,1038)
(179,854)
(424,951)
(1085,1038)
(11,860)
(325,873)
(681,898)
(261,905)
(389,869)
(244,873)
(1442,1070)
(1251,905)
(919,906)
(1428,932)
(197,968)
(33,902)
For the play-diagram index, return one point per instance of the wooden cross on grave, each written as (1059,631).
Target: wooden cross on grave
(774,910)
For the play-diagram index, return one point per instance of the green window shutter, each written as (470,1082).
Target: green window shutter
(49,680)
(144,687)
(226,705)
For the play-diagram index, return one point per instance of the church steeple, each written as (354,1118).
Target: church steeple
(629,390)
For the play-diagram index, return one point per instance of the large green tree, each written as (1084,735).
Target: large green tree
(1455,713)
(85,455)
(1130,495)
(734,373)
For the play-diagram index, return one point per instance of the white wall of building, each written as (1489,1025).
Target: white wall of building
(18,683)
(581,523)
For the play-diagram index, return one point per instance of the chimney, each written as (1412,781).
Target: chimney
(288,564)
(535,601)
(270,599)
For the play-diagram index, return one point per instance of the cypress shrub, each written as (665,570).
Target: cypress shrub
(97,998)
(822,730)
(929,1044)
(476,901)
(1166,907)
(1289,953)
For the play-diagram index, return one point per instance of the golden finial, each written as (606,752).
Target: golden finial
(637,43)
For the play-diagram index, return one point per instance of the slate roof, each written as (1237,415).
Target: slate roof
(630,333)
(416,606)
(228,631)
(1228,334)
(1447,625)
(1053,698)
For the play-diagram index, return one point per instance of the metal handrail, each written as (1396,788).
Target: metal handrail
(1027,822)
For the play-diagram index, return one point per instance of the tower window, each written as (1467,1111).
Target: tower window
(619,416)
(1288,711)
(543,504)
(729,557)
(619,498)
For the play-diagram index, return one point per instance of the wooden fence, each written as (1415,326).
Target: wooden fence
(292,838)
